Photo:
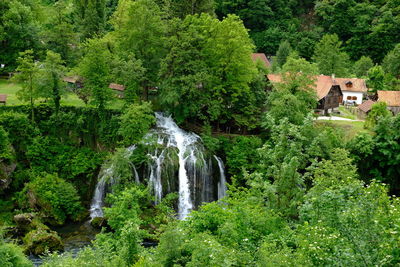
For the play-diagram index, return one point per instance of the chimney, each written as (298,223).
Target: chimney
(333,78)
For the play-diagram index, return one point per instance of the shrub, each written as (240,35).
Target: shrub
(52,196)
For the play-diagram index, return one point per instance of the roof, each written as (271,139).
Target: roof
(116,86)
(323,83)
(71,79)
(391,98)
(3,98)
(366,105)
(352,84)
(262,57)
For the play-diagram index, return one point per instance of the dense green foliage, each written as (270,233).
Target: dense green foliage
(53,196)
(136,122)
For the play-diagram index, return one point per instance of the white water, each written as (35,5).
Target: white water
(185,142)
(222,181)
(172,146)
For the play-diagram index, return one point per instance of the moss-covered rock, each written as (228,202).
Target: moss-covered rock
(98,222)
(40,240)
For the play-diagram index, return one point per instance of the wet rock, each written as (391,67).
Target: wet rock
(6,169)
(24,221)
(40,241)
(98,222)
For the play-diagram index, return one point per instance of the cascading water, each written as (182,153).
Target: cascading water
(176,162)
(222,181)
(107,178)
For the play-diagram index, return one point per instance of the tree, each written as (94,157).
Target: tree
(18,31)
(282,54)
(375,80)
(136,122)
(95,69)
(50,75)
(362,66)
(90,17)
(182,8)
(139,32)
(27,76)
(391,62)
(60,36)
(208,71)
(294,97)
(130,73)
(378,111)
(329,57)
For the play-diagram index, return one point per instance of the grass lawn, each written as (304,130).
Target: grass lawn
(10,89)
(350,128)
(345,113)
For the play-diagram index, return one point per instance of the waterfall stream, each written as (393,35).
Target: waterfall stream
(222,181)
(176,162)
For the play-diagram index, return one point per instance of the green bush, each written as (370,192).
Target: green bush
(53,197)
(12,256)
(136,122)
(241,155)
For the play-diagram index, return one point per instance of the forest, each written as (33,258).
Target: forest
(143,133)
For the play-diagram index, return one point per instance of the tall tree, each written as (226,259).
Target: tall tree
(208,71)
(95,69)
(294,97)
(60,36)
(140,31)
(282,54)
(18,32)
(391,62)
(90,17)
(376,79)
(27,75)
(329,56)
(128,72)
(50,82)
(362,66)
(182,8)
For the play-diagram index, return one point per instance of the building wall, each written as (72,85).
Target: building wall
(359,96)
(395,110)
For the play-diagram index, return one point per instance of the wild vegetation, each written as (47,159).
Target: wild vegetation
(301,192)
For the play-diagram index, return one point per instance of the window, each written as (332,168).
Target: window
(353,98)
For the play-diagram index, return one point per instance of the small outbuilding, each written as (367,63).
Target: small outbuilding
(392,100)
(118,88)
(3,99)
(365,108)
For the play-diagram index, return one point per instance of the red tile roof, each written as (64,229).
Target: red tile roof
(3,98)
(116,86)
(262,57)
(391,98)
(366,106)
(352,84)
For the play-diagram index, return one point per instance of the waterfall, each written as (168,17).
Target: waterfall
(176,162)
(222,181)
(107,178)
